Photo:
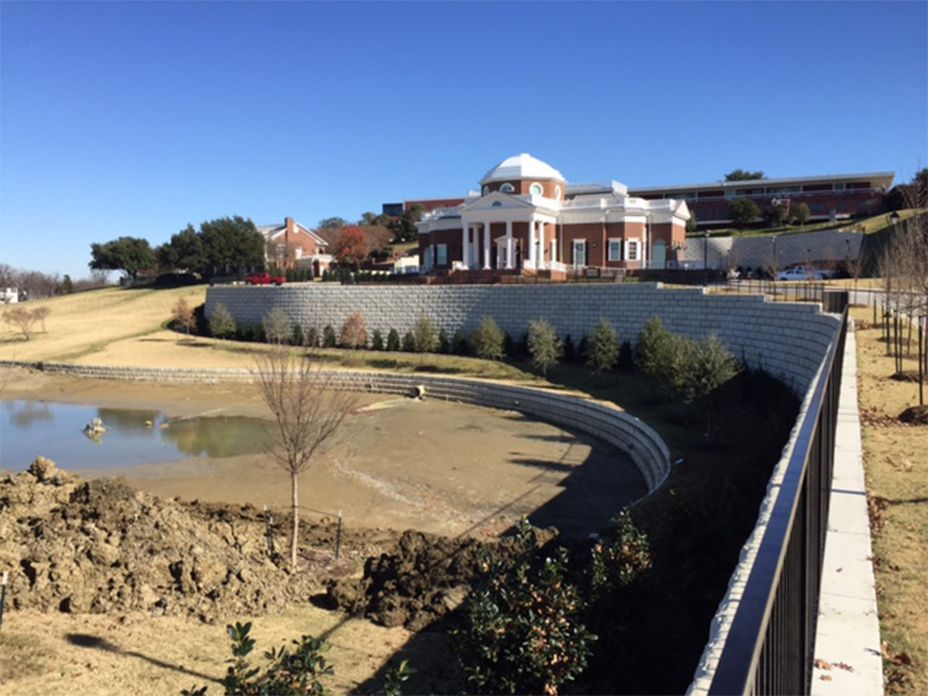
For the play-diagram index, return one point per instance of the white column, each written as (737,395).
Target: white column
(486,245)
(509,245)
(531,243)
(464,232)
(541,244)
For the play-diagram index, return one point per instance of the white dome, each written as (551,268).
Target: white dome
(522,166)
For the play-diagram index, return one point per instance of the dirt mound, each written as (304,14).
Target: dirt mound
(422,578)
(100,546)
(915,415)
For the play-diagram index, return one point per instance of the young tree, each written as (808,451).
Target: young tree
(801,213)
(426,338)
(328,337)
(660,353)
(276,325)
(41,314)
(127,254)
(377,340)
(182,315)
(743,211)
(778,213)
(393,340)
(692,224)
(544,347)
(409,342)
(351,247)
(308,411)
(602,347)
(221,324)
(20,319)
(706,366)
(354,332)
(488,340)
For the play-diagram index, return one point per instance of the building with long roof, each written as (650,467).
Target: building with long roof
(526,218)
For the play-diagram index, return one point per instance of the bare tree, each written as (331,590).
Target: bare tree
(21,319)
(308,410)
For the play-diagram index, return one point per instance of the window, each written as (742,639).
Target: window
(615,250)
(441,255)
(486,190)
(496,204)
(631,250)
(507,188)
(536,189)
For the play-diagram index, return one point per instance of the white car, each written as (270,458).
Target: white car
(800,273)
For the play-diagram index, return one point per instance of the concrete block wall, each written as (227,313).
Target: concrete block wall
(786,339)
(601,420)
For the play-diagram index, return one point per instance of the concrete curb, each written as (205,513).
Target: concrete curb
(602,420)
(848,633)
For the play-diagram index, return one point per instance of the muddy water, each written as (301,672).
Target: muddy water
(29,428)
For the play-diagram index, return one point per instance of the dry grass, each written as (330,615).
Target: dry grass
(136,654)
(896,462)
(83,324)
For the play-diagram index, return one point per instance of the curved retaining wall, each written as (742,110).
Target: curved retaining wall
(787,340)
(601,420)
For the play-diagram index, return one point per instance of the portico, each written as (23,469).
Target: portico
(526,218)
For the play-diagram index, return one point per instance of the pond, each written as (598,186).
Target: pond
(132,436)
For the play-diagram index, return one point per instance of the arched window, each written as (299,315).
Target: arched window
(557,192)
(507,188)
(496,204)
(536,189)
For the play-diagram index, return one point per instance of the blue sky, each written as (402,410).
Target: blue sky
(137,118)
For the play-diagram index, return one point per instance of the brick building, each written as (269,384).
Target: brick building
(527,219)
(292,245)
(830,197)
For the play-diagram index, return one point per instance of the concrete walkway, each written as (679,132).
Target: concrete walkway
(847,643)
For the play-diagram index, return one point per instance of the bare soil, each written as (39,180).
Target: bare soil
(895,458)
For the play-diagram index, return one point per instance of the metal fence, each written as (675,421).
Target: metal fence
(802,291)
(769,649)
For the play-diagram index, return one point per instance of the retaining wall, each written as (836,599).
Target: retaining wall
(788,340)
(601,420)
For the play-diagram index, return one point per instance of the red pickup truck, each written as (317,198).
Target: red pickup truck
(265,279)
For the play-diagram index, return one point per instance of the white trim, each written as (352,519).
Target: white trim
(536,189)
(573,255)
(506,187)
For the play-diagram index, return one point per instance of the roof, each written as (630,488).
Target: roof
(522,166)
(887,178)
(271,231)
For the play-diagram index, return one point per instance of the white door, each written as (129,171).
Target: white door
(579,252)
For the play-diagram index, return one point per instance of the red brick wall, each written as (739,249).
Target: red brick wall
(523,186)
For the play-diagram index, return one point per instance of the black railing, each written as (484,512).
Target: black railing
(800,291)
(769,648)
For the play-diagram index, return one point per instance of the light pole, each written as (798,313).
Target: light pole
(705,256)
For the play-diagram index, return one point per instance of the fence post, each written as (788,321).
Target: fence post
(338,536)
(3,583)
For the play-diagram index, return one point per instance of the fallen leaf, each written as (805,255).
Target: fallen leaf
(822,664)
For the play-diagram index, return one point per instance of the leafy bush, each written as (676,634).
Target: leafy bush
(296,672)
(298,337)
(409,342)
(393,340)
(425,337)
(602,348)
(618,563)
(312,337)
(520,631)
(328,337)
(544,347)
(488,340)
(377,340)
(276,325)
(660,353)
(354,332)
